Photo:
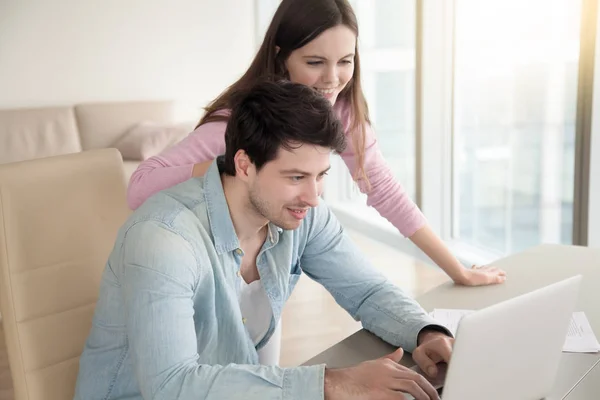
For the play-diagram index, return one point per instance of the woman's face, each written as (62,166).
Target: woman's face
(326,63)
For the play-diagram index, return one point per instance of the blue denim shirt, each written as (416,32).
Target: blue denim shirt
(168,325)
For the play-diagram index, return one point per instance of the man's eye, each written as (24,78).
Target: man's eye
(296,178)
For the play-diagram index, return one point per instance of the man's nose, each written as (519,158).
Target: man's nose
(311,194)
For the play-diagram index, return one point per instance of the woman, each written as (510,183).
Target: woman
(313,42)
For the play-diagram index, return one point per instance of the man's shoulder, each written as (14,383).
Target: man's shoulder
(319,219)
(181,209)
(321,213)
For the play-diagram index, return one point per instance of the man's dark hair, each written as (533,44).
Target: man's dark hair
(279,114)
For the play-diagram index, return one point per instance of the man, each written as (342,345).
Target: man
(195,270)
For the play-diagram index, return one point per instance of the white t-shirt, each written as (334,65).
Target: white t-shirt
(257,314)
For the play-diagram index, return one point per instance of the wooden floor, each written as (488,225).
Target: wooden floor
(311,320)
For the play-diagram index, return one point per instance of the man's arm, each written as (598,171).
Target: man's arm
(334,261)
(158,275)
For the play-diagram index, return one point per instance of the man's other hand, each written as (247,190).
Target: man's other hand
(434,347)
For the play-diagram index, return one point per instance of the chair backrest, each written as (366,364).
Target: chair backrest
(59,218)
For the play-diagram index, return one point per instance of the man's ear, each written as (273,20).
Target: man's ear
(277,49)
(243,165)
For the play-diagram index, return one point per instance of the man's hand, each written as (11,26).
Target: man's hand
(434,347)
(381,379)
(481,275)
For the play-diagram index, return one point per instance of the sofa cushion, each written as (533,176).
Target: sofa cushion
(129,167)
(31,133)
(147,139)
(101,124)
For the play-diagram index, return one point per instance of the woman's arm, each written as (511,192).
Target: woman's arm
(426,239)
(177,164)
(390,199)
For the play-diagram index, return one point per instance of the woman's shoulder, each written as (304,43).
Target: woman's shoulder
(343,110)
(217,120)
(342,106)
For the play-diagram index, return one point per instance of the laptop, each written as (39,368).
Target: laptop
(510,350)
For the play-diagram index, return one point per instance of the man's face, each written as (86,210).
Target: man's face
(285,188)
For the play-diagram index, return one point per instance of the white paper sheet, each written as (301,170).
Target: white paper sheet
(449,318)
(580,337)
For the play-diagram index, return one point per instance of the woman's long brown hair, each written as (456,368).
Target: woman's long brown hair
(295,24)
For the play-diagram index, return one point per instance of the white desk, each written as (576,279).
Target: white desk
(526,271)
(589,387)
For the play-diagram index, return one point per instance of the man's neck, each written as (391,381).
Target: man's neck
(248,224)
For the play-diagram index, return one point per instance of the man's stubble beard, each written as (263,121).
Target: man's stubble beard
(262,207)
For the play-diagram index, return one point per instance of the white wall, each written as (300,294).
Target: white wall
(265,9)
(68,51)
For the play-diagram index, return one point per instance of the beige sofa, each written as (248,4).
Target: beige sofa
(30,133)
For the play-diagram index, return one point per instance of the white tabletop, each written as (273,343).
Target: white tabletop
(526,271)
(589,387)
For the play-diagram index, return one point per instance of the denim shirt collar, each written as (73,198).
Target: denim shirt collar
(221,225)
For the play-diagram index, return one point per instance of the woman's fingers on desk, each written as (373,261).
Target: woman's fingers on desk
(484,275)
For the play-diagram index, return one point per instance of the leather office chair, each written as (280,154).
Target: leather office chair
(59,217)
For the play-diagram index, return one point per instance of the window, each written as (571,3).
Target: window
(515,97)
(387,45)
(593,195)
(494,154)
(387,48)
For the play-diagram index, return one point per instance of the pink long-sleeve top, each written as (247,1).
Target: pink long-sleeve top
(175,165)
